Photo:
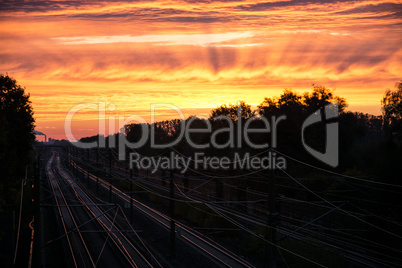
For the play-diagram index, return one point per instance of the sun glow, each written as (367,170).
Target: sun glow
(195,56)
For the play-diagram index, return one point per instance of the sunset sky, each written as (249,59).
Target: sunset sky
(195,54)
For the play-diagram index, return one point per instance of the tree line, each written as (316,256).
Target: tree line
(368,144)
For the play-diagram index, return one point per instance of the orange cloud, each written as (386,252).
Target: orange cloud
(196,54)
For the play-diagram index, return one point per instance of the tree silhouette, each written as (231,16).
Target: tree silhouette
(232,111)
(16,130)
(288,103)
(297,107)
(320,97)
(291,103)
(392,110)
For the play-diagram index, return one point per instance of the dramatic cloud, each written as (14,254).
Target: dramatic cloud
(178,39)
(195,54)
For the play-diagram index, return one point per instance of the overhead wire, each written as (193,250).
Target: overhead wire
(242,176)
(260,237)
(346,212)
(338,174)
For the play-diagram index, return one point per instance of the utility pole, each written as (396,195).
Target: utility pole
(135,172)
(110,159)
(131,201)
(38,222)
(97,170)
(186,183)
(110,191)
(69,155)
(272,219)
(131,195)
(218,190)
(171,215)
(110,175)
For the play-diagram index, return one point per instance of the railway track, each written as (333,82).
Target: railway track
(80,254)
(212,250)
(77,211)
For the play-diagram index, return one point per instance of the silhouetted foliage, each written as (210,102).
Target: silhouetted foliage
(16,133)
(392,110)
(232,111)
(358,136)
(362,147)
(297,107)
(90,139)
(288,103)
(322,96)
(293,104)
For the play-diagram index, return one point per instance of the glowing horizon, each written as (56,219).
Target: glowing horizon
(196,55)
